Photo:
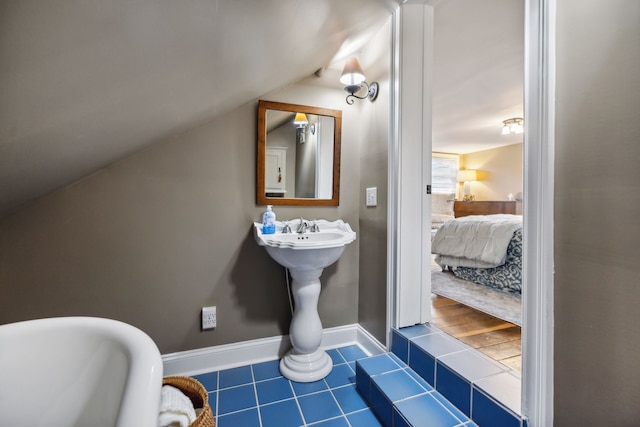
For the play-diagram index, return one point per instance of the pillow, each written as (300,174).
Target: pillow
(442,204)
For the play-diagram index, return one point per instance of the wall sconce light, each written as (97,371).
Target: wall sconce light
(300,121)
(467,176)
(514,125)
(353,79)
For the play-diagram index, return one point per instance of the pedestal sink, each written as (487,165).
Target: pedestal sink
(306,254)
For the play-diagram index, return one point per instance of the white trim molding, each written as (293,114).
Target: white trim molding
(537,343)
(409,158)
(393,204)
(216,358)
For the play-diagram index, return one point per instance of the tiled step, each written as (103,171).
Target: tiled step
(482,389)
(401,398)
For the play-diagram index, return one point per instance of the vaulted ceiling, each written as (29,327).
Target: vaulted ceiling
(478,74)
(84,83)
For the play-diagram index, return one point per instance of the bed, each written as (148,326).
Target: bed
(484,249)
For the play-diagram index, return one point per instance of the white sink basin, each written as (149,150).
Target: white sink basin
(306,255)
(309,250)
(78,371)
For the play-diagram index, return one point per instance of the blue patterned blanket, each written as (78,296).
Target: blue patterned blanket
(506,277)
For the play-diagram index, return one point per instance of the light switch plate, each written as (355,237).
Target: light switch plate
(372,196)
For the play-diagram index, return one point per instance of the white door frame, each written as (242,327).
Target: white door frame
(402,288)
(539,146)
(410,165)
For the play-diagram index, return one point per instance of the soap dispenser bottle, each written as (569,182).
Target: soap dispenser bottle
(269,221)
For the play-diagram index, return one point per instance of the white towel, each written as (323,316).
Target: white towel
(176,409)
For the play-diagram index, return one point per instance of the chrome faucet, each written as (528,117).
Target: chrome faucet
(314,227)
(286,228)
(302,228)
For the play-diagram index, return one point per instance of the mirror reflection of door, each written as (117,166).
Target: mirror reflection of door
(276,172)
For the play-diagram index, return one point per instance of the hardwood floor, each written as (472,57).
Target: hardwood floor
(496,338)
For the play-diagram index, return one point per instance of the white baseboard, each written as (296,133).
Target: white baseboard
(193,362)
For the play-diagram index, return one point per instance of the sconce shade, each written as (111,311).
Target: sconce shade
(353,79)
(352,75)
(467,175)
(300,120)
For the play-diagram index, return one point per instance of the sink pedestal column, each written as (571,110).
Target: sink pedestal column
(306,361)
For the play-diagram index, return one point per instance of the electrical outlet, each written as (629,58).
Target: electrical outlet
(209,317)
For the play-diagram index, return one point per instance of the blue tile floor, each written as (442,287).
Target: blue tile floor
(259,396)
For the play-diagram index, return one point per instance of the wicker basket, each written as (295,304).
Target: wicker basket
(198,395)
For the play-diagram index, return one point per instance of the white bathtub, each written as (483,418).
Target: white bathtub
(78,371)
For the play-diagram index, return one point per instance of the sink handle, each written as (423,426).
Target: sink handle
(314,228)
(286,228)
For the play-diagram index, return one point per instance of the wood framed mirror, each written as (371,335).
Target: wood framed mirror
(298,159)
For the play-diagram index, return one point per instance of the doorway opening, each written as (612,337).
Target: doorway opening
(407,296)
(477,84)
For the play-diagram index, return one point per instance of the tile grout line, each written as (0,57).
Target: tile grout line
(344,386)
(334,396)
(217,394)
(255,393)
(295,397)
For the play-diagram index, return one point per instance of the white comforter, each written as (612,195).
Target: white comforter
(478,241)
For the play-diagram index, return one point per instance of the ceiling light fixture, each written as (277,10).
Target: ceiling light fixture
(353,79)
(514,125)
